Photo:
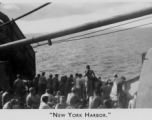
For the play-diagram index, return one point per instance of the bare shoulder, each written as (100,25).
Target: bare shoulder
(57,106)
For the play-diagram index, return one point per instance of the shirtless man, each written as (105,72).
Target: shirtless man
(132,103)
(10,104)
(7,96)
(73,99)
(90,74)
(62,104)
(57,97)
(44,104)
(51,98)
(95,101)
(32,101)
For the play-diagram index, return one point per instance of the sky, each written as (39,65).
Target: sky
(62,15)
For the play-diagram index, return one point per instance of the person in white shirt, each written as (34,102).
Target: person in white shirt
(7,96)
(113,94)
(44,104)
(117,94)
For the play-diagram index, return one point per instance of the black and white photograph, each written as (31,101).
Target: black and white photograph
(75,55)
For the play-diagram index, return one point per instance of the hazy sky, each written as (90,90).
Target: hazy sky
(58,16)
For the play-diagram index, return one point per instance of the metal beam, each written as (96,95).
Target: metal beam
(80,28)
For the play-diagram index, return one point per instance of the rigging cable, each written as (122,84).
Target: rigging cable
(56,42)
(67,40)
(26,14)
(109,28)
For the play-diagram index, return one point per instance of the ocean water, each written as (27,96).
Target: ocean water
(113,53)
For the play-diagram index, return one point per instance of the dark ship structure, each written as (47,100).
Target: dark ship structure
(19,60)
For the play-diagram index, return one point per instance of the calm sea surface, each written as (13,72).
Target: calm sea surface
(114,53)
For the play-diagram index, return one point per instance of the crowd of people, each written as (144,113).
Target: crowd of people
(73,92)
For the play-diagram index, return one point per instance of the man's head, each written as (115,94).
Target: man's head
(18,76)
(123,78)
(71,76)
(66,77)
(76,74)
(115,75)
(56,75)
(62,99)
(38,75)
(120,81)
(45,99)
(32,91)
(108,82)
(48,91)
(96,92)
(88,67)
(80,75)
(50,76)
(74,90)
(43,73)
